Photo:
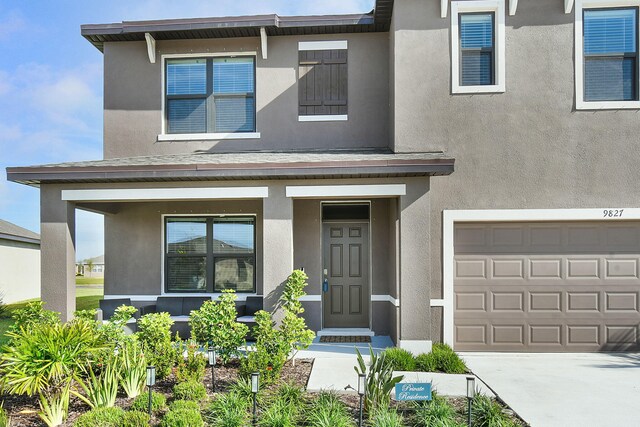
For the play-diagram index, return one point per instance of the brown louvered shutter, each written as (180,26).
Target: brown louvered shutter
(323,82)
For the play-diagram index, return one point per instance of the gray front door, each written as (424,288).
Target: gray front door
(346,263)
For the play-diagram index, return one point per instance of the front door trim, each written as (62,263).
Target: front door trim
(451,217)
(369,296)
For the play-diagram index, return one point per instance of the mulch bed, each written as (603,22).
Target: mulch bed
(23,410)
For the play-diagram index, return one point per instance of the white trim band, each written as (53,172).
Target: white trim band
(149,298)
(323,45)
(324,118)
(155,194)
(311,298)
(207,136)
(451,217)
(386,298)
(381,190)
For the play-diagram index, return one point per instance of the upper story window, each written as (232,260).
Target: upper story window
(607,49)
(323,81)
(212,95)
(209,254)
(478,52)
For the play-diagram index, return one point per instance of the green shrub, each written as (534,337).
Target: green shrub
(386,417)
(270,351)
(5,419)
(3,311)
(32,315)
(294,333)
(141,403)
(154,332)
(136,419)
(400,359)
(228,410)
(290,393)
(190,390)
(328,411)
(113,331)
(214,324)
(442,358)
(279,414)
(486,412)
(189,367)
(380,380)
(182,418)
(44,360)
(101,390)
(133,365)
(190,405)
(437,413)
(103,417)
(426,362)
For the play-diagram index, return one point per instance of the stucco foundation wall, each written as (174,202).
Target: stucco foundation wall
(19,271)
(527,148)
(133,97)
(133,242)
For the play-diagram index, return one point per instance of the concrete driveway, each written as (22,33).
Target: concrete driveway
(564,389)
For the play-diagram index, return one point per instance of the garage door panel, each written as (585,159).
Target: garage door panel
(548,287)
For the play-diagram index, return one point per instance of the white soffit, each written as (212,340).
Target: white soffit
(153,194)
(347,190)
(151,47)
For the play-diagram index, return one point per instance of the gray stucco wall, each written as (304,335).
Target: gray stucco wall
(526,148)
(133,242)
(133,97)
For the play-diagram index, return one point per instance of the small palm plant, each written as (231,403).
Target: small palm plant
(380,380)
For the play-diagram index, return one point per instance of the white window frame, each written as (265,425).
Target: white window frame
(581,104)
(472,6)
(170,137)
(324,45)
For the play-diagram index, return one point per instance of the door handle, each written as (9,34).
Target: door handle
(325,281)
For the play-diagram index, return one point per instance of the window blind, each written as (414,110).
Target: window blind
(610,54)
(186,77)
(476,49)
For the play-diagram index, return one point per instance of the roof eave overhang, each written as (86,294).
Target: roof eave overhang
(37,175)
(22,239)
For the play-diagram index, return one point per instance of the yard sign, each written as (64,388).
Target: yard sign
(413,391)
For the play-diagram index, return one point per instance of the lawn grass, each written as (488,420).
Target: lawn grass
(82,281)
(86,299)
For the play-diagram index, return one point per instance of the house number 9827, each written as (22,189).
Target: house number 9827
(613,213)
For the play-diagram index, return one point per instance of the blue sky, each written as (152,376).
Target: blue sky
(51,85)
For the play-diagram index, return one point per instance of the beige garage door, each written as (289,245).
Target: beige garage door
(547,287)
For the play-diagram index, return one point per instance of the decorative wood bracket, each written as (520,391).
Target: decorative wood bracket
(444,8)
(513,6)
(263,42)
(568,6)
(151,47)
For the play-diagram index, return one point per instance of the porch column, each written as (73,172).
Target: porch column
(277,248)
(57,251)
(414,271)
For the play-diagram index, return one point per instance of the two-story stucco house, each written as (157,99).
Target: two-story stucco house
(237,149)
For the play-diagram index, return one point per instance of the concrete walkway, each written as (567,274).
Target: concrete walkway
(565,390)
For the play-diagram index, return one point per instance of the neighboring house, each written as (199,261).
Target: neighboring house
(328,143)
(95,268)
(19,263)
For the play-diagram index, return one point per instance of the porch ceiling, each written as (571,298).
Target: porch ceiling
(237,166)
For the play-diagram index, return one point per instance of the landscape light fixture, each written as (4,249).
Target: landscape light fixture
(471,392)
(255,387)
(151,381)
(212,363)
(362,387)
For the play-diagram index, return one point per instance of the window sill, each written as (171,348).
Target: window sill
(608,105)
(207,136)
(326,118)
(478,89)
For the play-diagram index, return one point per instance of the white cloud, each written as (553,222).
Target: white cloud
(11,23)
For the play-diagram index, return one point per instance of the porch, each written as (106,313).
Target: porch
(198,238)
